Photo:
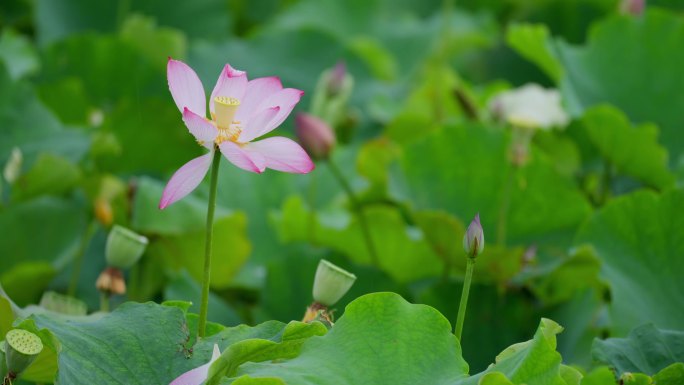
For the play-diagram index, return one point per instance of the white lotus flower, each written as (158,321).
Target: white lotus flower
(530,106)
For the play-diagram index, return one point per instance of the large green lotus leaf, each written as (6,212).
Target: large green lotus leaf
(533,362)
(639,241)
(180,235)
(139,111)
(26,281)
(230,250)
(137,343)
(671,375)
(381,339)
(645,45)
(646,349)
(143,33)
(533,43)
(50,175)
(402,251)
(18,54)
(469,163)
(599,376)
(285,345)
(634,151)
(494,320)
(56,20)
(184,287)
(55,223)
(290,49)
(575,273)
(116,68)
(186,215)
(388,31)
(31,127)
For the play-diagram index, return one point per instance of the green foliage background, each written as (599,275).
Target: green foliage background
(592,237)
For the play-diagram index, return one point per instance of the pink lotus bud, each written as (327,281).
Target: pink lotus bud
(315,135)
(473,240)
(337,77)
(632,7)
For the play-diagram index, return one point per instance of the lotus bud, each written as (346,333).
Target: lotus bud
(13,165)
(473,240)
(21,349)
(124,247)
(632,7)
(331,283)
(337,77)
(111,281)
(315,135)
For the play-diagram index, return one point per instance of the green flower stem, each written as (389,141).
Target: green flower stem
(80,252)
(311,197)
(458,330)
(204,304)
(104,302)
(358,209)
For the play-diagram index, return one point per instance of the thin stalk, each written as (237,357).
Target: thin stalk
(134,283)
(365,230)
(458,330)
(311,197)
(78,262)
(104,302)
(204,304)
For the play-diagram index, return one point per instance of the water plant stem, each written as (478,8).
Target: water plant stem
(104,302)
(80,252)
(359,211)
(470,266)
(311,198)
(204,304)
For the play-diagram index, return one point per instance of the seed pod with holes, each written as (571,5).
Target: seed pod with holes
(21,349)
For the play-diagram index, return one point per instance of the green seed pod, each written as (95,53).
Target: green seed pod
(124,247)
(331,283)
(21,349)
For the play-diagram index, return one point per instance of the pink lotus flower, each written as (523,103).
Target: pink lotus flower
(198,375)
(241,111)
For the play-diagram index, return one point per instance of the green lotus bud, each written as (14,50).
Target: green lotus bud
(473,240)
(337,78)
(331,283)
(21,349)
(124,247)
(315,135)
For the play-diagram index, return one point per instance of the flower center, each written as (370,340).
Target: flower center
(225,108)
